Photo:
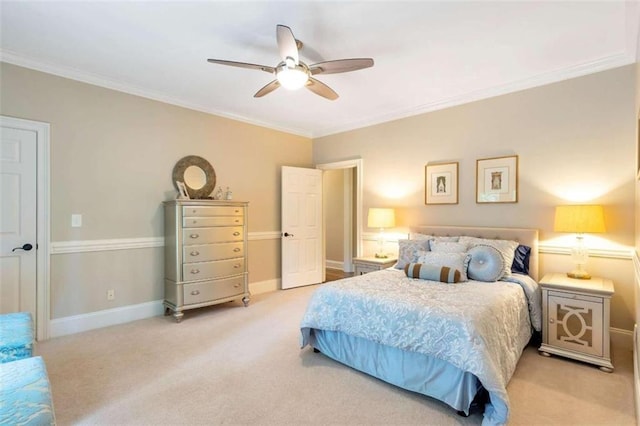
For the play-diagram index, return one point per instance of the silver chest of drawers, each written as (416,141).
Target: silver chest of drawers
(205,254)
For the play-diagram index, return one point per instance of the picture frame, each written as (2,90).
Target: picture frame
(441,183)
(497,180)
(182,191)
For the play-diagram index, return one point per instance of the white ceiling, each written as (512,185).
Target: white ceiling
(428,55)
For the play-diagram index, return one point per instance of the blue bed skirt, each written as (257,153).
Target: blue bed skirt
(408,370)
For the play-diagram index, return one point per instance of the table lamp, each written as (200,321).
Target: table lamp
(579,219)
(381,218)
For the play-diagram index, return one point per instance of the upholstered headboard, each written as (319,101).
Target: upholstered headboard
(524,236)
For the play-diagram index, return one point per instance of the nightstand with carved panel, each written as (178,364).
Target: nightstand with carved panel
(576,319)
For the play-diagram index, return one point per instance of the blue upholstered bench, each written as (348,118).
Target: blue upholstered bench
(16,336)
(25,393)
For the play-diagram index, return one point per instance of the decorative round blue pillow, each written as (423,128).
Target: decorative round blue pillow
(486,264)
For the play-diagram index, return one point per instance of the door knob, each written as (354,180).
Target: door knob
(25,247)
(286,234)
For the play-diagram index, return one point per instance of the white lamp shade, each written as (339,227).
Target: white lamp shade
(381,218)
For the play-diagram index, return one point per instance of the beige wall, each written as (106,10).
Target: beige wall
(112,155)
(575,141)
(333,188)
(637,216)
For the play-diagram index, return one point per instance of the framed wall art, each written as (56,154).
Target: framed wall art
(441,183)
(497,180)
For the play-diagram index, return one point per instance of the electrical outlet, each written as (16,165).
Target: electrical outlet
(111,294)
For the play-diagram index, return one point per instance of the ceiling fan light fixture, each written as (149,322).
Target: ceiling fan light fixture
(292,78)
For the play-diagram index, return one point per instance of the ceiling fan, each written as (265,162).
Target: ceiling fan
(291,73)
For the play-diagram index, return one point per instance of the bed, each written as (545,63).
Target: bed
(450,341)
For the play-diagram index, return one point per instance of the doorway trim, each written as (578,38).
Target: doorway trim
(358,165)
(43,235)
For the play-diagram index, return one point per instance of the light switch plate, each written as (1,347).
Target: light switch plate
(76,220)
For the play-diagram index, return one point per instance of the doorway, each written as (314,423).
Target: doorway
(342,213)
(30,165)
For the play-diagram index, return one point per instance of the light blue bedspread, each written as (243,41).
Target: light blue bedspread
(478,327)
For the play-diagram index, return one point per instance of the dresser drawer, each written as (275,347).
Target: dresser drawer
(212,211)
(212,235)
(206,252)
(216,269)
(203,222)
(574,296)
(206,291)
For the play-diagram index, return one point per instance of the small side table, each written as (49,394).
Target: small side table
(575,320)
(365,265)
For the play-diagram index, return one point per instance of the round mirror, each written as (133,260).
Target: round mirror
(194,177)
(197,174)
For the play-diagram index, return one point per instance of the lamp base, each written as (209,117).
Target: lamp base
(579,274)
(381,256)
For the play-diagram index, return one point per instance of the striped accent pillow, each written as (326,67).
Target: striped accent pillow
(433,273)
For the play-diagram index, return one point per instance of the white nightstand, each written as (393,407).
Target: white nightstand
(575,320)
(369,264)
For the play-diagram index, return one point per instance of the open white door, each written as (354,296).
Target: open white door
(302,251)
(18,149)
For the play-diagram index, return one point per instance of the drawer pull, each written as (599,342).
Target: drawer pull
(194,210)
(195,271)
(236,266)
(235,234)
(237,249)
(195,292)
(236,285)
(194,253)
(194,236)
(551,320)
(237,220)
(194,222)
(237,211)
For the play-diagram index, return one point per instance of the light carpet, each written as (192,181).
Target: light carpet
(233,365)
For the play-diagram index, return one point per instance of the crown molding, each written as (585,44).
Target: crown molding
(602,64)
(102,81)
(609,62)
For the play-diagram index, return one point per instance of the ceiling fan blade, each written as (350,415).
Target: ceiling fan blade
(264,68)
(319,88)
(267,89)
(286,43)
(340,65)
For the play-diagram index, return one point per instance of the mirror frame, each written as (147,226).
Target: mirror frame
(193,160)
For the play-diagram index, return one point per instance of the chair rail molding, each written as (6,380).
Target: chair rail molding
(84,246)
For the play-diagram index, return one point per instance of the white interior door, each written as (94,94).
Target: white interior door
(302,248)
(18,220)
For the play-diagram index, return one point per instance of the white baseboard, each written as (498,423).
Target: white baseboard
(620,338)
(636,370)
(264,286)
(334,264)
(85,322)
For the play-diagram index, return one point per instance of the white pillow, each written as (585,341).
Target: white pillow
(447,246)
(419,236)
(459,261)
(506,248)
